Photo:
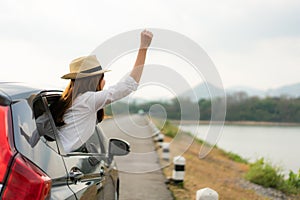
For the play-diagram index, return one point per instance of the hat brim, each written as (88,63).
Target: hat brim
(83,75)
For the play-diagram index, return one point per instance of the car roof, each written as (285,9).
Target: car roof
(10,91)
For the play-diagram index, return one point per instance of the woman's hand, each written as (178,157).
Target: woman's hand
(146,38)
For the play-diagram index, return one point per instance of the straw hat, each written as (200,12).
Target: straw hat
(83,67)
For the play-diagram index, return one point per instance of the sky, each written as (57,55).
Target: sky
(254,43)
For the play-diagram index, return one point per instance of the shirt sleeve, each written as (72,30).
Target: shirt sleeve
(122,89)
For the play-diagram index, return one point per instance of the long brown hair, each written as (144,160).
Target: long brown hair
(75,88)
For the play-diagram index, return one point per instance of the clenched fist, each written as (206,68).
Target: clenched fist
(146,38)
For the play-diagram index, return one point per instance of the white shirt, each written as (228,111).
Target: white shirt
(80,118)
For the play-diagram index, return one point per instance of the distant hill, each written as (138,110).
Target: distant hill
(288,90)
(292,90)
(250,91)
(202,91)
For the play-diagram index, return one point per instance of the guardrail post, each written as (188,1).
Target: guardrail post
(178,171)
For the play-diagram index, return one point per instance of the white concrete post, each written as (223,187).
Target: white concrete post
(155,132)
(207,194)
(159,139)
(179,167)
(165,151)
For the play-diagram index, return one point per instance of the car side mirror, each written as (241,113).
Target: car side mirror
(118,147)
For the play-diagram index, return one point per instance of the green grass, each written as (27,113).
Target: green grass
(267,175)
(169,129)
(180,185)
(264,174)
(235,157)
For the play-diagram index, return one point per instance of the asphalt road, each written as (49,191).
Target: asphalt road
(140,173)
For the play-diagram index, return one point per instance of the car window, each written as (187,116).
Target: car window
(26,132)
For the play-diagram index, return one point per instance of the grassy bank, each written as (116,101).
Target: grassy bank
(226,172)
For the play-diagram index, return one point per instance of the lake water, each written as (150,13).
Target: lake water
(278,144)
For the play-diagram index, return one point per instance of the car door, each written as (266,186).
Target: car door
(87,169)
(111,187)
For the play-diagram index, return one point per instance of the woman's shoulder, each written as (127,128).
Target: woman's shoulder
(86,97)
(87,94)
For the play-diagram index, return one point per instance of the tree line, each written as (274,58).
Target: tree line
(240,107)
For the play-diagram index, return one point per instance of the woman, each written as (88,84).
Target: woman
(75,113)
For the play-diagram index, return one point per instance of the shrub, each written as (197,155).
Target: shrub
(265,174)
(292,184)
(294,179)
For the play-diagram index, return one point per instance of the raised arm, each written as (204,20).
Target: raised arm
(146,38)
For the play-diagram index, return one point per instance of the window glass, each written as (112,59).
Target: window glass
(26,128)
